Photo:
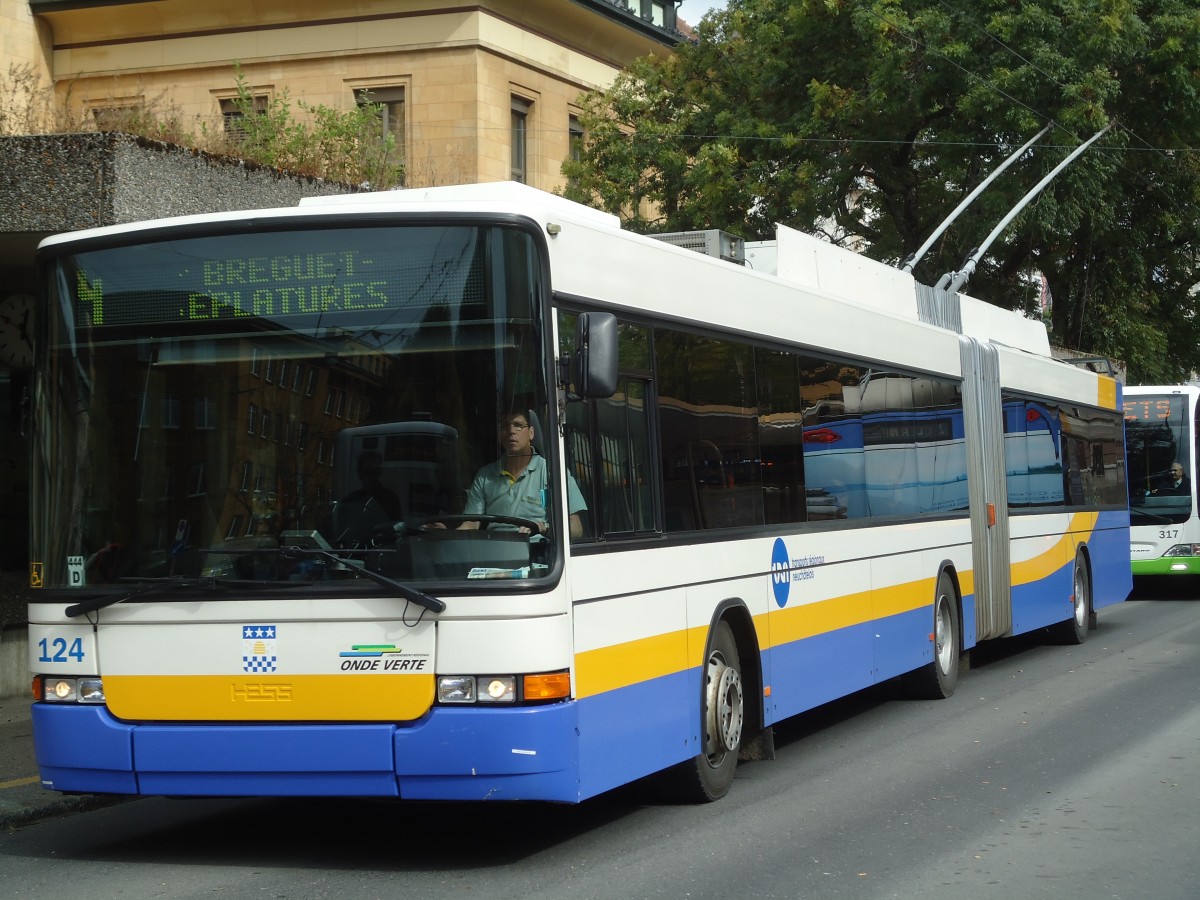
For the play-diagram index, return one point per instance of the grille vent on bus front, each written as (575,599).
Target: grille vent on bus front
(712,242)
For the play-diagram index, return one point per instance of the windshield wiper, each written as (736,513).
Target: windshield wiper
(147,586)
(433,604)
(292,551)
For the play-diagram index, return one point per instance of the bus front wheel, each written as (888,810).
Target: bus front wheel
(708,775)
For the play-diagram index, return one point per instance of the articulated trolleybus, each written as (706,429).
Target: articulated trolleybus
(268,563)
(1160,436)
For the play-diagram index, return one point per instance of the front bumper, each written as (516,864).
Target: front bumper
(521,753)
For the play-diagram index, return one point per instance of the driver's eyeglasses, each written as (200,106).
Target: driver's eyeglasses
(514,426)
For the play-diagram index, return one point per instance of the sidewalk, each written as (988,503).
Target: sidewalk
(22,798)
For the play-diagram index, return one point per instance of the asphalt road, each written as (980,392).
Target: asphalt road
(1055,772)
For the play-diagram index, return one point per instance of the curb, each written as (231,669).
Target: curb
(32,808)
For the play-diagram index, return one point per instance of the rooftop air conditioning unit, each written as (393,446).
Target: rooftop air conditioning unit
(711,242)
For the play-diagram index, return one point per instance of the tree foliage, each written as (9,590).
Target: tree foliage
(870,120)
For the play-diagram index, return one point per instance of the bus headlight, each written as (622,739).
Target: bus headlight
(499,689)
(456,689)
(72,690)
(539,688)
(1184,550)
(481,689)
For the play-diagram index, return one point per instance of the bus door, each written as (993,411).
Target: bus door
(983,426)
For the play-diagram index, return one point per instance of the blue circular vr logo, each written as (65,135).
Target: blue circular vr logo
(781,573)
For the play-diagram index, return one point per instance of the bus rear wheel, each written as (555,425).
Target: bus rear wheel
(708,775)
(1074,630)
(938,679)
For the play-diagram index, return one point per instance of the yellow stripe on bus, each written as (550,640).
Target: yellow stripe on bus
(1050,561)
(349,697)
(1106,392)
(620,665)
(795,623)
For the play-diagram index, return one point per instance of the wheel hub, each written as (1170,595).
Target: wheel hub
(725,709)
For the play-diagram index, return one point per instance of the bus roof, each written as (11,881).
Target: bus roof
(797,259)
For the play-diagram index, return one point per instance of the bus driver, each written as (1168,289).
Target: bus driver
(515,484)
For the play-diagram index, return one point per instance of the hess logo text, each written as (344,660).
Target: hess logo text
(261,693)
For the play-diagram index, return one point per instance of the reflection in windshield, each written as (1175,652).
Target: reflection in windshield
(208,400)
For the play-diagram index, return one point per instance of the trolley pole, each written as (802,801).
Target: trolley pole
(953,281)
(969,199)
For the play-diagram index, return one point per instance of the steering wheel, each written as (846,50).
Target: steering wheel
(484,521)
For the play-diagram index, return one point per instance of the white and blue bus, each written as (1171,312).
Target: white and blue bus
(1160,443)
(796,486)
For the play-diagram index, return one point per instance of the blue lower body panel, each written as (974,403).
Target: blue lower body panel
(1112,575)
(1049,600)
(525,753)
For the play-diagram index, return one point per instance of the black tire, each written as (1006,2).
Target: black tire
(1075,629)
(938,679)
(709,775)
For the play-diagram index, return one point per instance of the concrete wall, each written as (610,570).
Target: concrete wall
(53,183)
(14,664)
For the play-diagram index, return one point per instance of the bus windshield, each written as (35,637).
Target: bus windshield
(290,406)
(1159,458)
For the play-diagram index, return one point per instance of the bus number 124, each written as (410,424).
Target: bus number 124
(56,650)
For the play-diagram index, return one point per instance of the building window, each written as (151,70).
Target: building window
(520,139)
(170,411)
(116,118)
(574,143)
(196,480)
(235,127)
(574,138)
(206,413)
(389,102)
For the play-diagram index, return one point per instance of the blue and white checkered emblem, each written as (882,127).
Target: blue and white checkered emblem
(258,648)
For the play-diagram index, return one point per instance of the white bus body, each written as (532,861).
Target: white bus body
(799,488)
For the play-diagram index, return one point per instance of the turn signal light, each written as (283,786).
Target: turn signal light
(550,686)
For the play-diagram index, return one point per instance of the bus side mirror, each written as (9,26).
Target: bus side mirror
(595,356)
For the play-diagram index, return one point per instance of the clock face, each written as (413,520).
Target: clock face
(16,331)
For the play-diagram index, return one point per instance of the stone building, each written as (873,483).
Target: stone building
(485,91)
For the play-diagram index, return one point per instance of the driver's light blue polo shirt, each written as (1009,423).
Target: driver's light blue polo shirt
(496,492)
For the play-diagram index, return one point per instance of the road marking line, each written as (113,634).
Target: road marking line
(17,782)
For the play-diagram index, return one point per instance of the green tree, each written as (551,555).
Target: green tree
(869,120)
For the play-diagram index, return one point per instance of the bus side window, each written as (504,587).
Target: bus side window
(579,458)
(608,452)
(711,458)
(781,432)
